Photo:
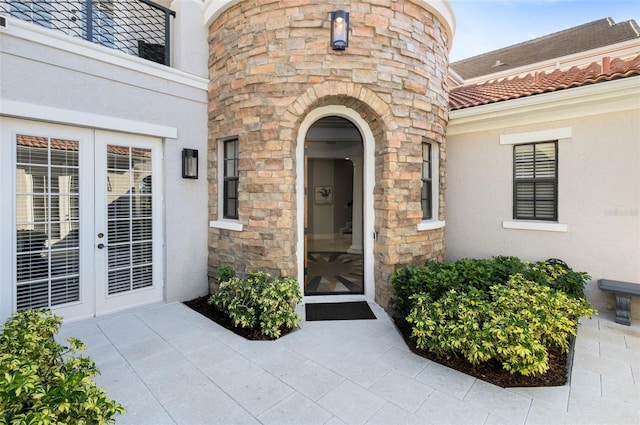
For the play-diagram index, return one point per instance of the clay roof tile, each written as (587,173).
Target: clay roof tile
(540,82)
(592,35)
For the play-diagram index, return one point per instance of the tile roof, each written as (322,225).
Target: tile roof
(592,35)
(542,82)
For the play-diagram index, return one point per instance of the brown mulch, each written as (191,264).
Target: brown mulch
(492,370)
(203,307)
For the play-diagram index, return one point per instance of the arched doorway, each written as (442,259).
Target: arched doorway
(333,208)
(335,157)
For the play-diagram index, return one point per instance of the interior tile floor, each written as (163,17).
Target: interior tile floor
(334,273)
(169,365)
(339,243)
(331,269)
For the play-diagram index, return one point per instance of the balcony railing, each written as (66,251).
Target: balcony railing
(137,27)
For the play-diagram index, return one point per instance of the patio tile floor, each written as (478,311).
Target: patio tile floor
(169,365)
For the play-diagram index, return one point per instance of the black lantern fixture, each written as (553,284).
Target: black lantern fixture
(339,30)
(189,163)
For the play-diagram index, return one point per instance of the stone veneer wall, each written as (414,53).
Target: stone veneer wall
(270,64)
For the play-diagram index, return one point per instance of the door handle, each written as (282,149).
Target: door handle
(101,246)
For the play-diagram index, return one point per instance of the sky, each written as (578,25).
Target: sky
(486,25)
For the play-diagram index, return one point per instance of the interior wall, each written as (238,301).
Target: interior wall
(326,220)
(343,193)
(321,174)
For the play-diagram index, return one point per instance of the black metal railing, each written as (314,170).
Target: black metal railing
(136,27)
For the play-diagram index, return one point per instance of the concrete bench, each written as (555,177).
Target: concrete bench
(623,292)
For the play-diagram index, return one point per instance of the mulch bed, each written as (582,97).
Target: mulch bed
(203,307)
(492,371)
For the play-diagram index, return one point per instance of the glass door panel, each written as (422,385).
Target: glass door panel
(47,222)
(129,219)
(82,222)
(130,215)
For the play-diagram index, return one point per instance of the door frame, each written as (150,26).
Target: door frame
(106,303)
(11,127)
(88,179)
(368,212)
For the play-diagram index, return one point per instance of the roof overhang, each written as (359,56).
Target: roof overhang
(595,99)
(617,50)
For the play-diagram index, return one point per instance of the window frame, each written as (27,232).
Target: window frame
(226,178)
(431,221)
(426,200)
(535,180)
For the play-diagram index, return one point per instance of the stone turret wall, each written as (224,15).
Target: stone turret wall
(270,64)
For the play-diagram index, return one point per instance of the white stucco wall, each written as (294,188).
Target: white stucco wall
(189,38)
(122,93)
(598,189)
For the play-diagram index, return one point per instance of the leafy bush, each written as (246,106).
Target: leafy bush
(436,279)
(225,272)
(42,382)
(502,308)
(259,301)
(406,282)
(557,277)
(515,322)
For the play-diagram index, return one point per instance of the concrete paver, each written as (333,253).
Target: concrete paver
(169,365)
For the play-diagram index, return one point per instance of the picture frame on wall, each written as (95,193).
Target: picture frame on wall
(323,195)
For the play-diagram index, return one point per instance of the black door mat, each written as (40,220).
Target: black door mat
(359,310)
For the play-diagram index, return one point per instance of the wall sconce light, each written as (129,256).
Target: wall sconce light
(189,163)
(339,30)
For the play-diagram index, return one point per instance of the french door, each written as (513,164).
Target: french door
(85,219)
(128,227)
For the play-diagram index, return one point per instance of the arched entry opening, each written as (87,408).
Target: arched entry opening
(333,208)
(335,159)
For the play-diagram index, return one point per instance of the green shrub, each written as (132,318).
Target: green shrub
(225,272)
(516,323)
(277,306)
(432,278)
(436,279)
(42,382)
(406,282)
(557,277)
(260,302)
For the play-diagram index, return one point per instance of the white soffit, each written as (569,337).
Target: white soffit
(594,99)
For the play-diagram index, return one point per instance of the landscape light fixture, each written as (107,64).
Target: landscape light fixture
(339,30)
(189,163)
